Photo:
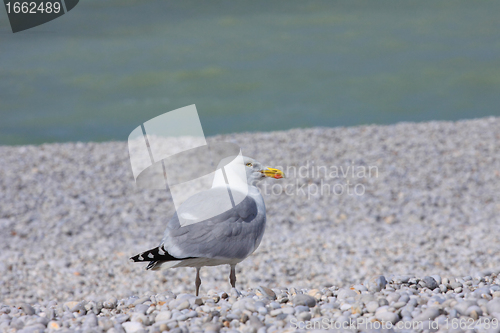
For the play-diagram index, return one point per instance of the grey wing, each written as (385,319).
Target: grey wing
(233,234)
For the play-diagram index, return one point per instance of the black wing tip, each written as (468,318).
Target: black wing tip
(153,255)
(139,257)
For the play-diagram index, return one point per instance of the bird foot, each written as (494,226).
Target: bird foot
(235,292)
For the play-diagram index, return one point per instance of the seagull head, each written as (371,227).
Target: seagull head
(245,170)
(256,171)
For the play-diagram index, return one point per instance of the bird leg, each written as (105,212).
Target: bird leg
(232,276)
(197,281)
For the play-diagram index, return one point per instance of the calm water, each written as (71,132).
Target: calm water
(107,66)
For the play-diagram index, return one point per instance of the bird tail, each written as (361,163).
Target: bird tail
(156,257)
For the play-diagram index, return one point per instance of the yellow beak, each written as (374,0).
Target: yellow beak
(273,173)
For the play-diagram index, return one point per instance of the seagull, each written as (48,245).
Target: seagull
(225,239)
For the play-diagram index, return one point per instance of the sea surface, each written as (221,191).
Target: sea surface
(107,66)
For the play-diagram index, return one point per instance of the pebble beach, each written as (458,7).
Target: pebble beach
(375,228)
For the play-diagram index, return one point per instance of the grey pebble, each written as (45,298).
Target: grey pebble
(383,301)
(121,318)
(377,283)
(110,304)
(275,312)
(398,305)
(259,304)
(404,298)
(346,293)
(179,330)
(118,328)
(105,323)
(43,320)
(33,328)
(90,320)
(430,282)
(474,312)
(345,307)
(482,291)
(275,305)
(183,305)
(284,300)
(141,308)
(267,292)
(493,306)
(302,299)
(181,317)
(429,314)
(437,278)
(255,322)
(301,308)
(140,318)
(133,327)
(28,309)
(462,306)
(304,316)
(372,306)
(250,306)
(141,300)
(262,310)
(413,280)
(360,287)
(392,297)
(387,317)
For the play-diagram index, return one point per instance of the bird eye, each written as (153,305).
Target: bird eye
(249,164)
